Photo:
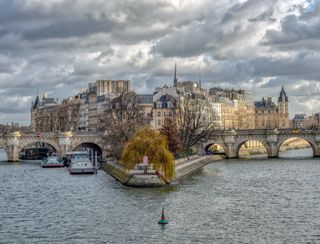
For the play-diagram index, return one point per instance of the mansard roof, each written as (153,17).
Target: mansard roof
(264,104)
(46,101)
(166,98)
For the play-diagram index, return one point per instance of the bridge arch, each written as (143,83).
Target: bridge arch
(52,145)
(94,149)
(208,149)
(26,143)
(88,144)
(308,140)
(242,142)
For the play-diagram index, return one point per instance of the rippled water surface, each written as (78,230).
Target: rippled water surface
(235,201)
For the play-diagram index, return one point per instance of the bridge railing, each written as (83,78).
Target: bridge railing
(54,134)
(265,131)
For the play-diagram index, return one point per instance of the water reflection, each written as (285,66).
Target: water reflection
(298,153)
(3,155)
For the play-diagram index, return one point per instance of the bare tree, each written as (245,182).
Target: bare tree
(120,120)
(194,119)
(170,131)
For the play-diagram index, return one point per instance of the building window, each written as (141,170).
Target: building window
(159,114)
(164,114)
(159,122)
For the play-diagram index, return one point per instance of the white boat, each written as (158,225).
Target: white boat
(52,162)
(79,163)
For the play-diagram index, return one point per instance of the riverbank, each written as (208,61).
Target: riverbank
(117,171)
(186,167)
(183,167)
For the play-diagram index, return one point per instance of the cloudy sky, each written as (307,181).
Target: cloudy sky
(59,46)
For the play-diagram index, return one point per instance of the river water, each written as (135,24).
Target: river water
(231,201)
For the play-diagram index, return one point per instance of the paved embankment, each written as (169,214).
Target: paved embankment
(184,167)
(187,167)
(118,172)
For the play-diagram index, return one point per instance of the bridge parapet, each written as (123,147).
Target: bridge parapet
(272,139)
(63,142)
(317,138)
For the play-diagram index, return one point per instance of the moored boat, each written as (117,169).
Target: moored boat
(52,162)
(79,163)
(34,153)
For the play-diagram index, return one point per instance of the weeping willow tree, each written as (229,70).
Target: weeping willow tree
(151,143)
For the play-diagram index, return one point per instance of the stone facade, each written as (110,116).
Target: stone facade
(300,121)
(145,102)
(77,113)
(69,111)
(99,96)
(92,109)
(237,108)
(269,115)
(48,115)
(44,114)
(283,110)
(83,111)
(164,107)
(111,87)
(166,102)
(227,108)
(313,121)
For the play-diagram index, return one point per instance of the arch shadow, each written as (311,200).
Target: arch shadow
(253,151)
(94,150)
(298,145)
(213,148)
(37,150)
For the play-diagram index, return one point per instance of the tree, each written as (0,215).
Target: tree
(170,131)
(120,120)
(151,143)
(194,119)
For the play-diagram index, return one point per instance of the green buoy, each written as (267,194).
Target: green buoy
(163,220)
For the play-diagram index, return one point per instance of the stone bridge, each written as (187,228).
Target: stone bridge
(231,141)
(14,143)
(272,139)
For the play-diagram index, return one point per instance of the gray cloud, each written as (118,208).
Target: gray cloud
(293,30)
(60,46)
(67,29)
(299,31)
(265,16)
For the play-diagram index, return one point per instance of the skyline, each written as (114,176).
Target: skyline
(60,46)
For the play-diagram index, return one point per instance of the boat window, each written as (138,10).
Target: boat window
(80,157)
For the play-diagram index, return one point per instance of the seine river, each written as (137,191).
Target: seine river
(235,201)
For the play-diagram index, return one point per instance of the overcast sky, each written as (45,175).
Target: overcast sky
(59,46)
